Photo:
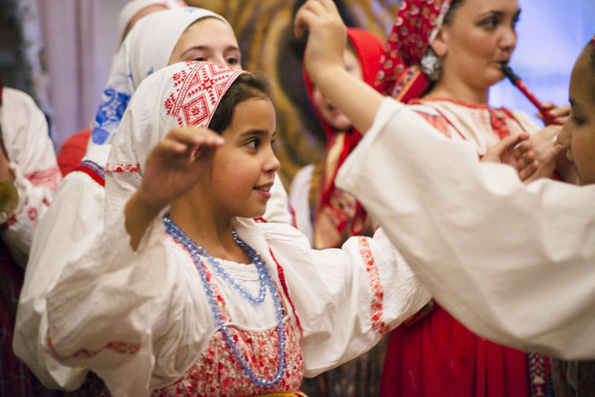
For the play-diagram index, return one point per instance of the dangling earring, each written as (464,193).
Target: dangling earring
(431,64)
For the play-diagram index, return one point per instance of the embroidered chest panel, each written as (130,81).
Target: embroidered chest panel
(218,373)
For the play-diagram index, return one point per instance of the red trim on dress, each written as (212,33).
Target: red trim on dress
(286,291)
(97,178)
(376,306)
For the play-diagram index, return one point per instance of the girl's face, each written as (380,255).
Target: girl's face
(329,113)
(242,170)
(578,133)
(480,36)
(209,39)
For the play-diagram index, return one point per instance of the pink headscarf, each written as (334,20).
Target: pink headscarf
(416,25)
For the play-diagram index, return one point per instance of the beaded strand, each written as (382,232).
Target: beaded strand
(265,280)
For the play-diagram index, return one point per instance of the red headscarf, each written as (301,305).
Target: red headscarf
(369,49)
(416,25)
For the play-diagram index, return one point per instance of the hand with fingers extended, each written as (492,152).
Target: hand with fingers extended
(326,36)
(173,168)
(517,152)
(560,113)
(174,164)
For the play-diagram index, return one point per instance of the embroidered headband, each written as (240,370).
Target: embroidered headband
(198,90)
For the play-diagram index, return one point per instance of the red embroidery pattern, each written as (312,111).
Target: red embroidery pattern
(217,373)
(399,72)
(50,177)
(198,90)
(119,167)
(377,290)
(437,122)
(32,213)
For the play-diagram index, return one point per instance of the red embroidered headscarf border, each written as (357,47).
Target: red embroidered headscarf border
(416,25)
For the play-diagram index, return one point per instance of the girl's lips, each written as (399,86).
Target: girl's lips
(264,188)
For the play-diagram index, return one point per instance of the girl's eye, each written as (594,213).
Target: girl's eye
(232,61)
(200,59)
(253,143)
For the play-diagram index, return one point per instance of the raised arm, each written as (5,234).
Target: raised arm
(171,170)
(324,62)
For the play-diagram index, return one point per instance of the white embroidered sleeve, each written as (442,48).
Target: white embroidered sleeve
(33,162)
(102,309)
(514,263)
(69,227)
(345,299)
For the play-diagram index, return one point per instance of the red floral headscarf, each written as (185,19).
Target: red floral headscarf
(416,25)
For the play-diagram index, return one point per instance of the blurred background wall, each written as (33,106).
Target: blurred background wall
(60,52)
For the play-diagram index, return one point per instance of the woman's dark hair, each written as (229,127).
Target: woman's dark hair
(247,86)
(454,4)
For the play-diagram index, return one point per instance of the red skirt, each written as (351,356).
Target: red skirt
(438,356)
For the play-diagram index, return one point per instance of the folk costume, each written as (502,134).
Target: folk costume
(76,217)
(175,320)
(337,214)
(436,355)
(331,215)
(540,237)
(25,143)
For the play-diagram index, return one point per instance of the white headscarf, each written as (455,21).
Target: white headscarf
(145,50)
(186,93)
(133,7)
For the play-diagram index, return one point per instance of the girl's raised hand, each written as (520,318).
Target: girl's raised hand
(326,35)
(175,163)
(173,167)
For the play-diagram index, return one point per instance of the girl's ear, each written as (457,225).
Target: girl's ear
(439,45)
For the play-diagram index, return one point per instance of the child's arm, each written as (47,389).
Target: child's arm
(432,209)
(345,299)
(324,62)
(172,169)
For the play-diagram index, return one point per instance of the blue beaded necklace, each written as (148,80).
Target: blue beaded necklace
(196,252)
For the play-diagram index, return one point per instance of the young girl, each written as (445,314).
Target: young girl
(186,293)
(76,216)
(335,215)
(490,234)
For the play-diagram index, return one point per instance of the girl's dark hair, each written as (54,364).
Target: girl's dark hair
(454,4)
(247,86)
(590,48)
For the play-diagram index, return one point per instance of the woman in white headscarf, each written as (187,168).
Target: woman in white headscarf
(75,217)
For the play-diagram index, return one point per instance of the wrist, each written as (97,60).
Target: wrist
(145,204)
(328,76)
